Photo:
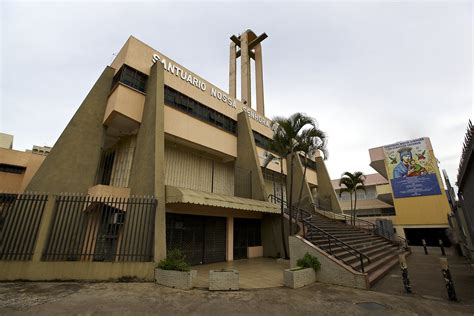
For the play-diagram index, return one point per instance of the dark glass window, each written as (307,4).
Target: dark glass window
(130,77)
(261,141)
(192,107)
(11,168)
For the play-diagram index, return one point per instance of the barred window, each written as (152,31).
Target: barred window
(130,77)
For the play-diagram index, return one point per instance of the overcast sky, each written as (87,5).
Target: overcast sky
(372,73)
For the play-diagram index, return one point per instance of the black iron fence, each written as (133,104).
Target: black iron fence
(87,228)
(20,217)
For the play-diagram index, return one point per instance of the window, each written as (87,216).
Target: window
(11,168)
(130,77)
(190,106)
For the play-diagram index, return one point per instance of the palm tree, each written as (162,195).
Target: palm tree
(286,141)
(352,182)
(310,141)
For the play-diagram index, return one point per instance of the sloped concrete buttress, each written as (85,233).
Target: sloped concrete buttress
(247,161)
(72,163)
(298,172)
(326,194)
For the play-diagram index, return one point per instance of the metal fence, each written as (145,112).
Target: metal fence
(86,228)
(20,217)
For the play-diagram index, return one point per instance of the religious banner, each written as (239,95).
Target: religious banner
(411,169)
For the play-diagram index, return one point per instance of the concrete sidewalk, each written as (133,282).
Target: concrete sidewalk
(426,278)
(147,298)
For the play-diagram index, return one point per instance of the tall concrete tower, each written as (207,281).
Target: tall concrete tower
(248,47)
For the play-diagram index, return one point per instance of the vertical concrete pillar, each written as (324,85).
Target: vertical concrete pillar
(245,85)
(147,175)
(259,79)
(232,70)
(230,239)
(44,228)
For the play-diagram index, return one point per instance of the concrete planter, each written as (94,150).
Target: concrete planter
(223,280)
(183,280)
(298,278)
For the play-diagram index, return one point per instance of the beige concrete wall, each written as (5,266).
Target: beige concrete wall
(12,182)
(65,169)
(139,55)
(193,130)
(332,270)
(125,101)
(84,271)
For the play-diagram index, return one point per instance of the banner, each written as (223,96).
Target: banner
(411,169)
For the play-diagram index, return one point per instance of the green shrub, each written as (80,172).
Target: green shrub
(309,261)
(175,260)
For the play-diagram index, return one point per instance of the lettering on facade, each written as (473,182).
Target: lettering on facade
(215,93)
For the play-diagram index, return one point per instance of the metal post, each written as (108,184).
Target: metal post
(448,279)
(442,248)
(424,246)
(404,268)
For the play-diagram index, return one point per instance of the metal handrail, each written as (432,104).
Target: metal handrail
(373,227)
(330,238)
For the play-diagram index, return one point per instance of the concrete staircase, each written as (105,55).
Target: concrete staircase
(362,249)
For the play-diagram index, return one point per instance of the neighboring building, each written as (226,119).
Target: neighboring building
(40,150)
(464,210)
(419,197)
(16,167)
(150,126)
(375,202)
(6,141)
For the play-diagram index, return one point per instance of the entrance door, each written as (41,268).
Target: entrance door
(202,239)
(246,234)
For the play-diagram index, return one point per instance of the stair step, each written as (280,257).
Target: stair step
(377,273)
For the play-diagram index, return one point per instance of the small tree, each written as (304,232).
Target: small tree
(352,182)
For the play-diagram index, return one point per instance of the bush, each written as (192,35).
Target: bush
(175,260)
(309,261)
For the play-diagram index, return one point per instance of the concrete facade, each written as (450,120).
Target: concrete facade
(170,127)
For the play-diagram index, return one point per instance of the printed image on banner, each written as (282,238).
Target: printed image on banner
(411,169)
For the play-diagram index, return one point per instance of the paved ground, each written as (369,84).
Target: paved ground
(387,298)
(148,298)
(255,273)
(426,278)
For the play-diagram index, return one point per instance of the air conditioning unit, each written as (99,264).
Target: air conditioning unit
(117,218)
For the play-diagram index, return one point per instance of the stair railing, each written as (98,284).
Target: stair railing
(304,217)
(363,224)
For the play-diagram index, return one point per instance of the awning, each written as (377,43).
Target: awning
(365,204)
(183,195)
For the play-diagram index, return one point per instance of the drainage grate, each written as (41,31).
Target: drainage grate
(372,306)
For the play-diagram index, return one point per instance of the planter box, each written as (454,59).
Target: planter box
(183,280)
(298,278)
(223,280)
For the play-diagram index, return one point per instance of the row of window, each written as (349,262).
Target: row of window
(194,108)
(137,80)
(11,168)
(130,77)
